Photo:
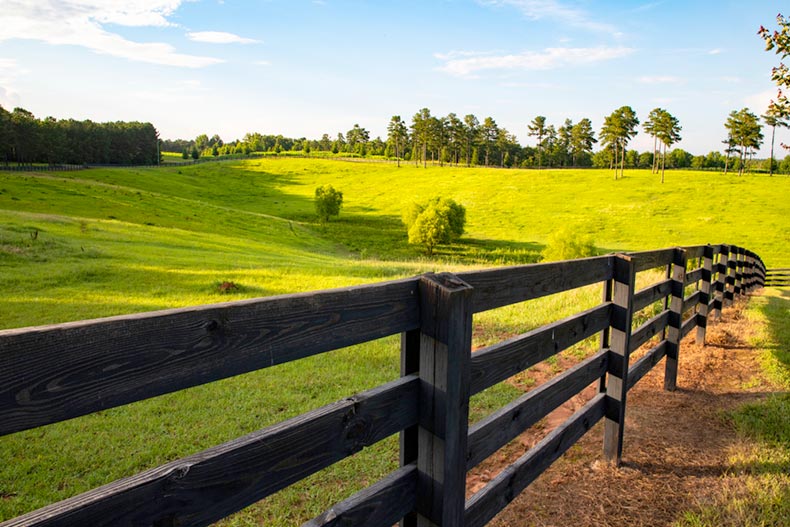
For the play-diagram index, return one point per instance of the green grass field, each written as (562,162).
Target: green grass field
(102,242)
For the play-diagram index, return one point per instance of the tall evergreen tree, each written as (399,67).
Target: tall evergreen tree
(537,128)
(396,135)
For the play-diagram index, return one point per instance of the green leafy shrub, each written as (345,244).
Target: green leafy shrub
(568,244)
(327,202)
(438,221)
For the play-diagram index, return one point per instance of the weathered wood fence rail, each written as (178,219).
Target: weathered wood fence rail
(110,362)
(777,277)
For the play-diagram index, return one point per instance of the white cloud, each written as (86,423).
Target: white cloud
(660,79)
(549,58)
(758,102)
(262,63)
(554,9)
(9,72)
(716,51)
(80,23)
(220,37)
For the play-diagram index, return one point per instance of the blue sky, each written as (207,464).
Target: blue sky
(308,67)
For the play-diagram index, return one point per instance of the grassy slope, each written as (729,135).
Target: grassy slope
(117,241)
(756,493)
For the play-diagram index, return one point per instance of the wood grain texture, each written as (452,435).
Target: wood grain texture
(694,276)
(649,329)
(646,363)
(492,433)
(109,362)
(688,325)
(509,285)
(381,504)
(504,488)
(503,360)
(445,347)
(203,488)
(691,301)
(646,260)
(651,294)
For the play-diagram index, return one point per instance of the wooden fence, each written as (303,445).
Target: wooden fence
(777,277)
(110,362)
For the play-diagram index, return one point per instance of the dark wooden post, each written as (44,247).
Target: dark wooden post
(445,349)
(604,335)
(704,298)
(675,322)
(738,282)
(732,264)
(409,363)
(721,281)
(622,295)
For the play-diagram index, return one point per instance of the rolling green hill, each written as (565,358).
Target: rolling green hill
(102,242)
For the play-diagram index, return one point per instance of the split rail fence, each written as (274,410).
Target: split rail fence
(52,373)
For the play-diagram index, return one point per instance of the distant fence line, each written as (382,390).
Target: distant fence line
(110,362)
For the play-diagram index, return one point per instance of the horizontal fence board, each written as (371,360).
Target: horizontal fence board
(691,301)
(646,260)
(649,329)
(109,362)
(641,367)
(694,276)
(503,360)
(203,488)
(653,293)
(383,503)
(688,325)
(504,488)
(526,282)
(493,432)
(694,251)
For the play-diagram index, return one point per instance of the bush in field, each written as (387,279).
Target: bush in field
(438,221)
(327,202)
(567,244)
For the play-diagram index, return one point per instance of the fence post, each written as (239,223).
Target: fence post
(409,364)
(622,295)
(721,281)
(445,349)
(738,283)
(675,322)
(704,298)
(732,264)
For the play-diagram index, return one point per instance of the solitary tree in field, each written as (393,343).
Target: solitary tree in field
(745,130)
(650,128)
(774,118)
(537,128)
(438,221)
(327,202)
(618,129)
(667,129)
(397,132)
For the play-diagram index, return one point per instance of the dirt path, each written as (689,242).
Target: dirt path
(675,449)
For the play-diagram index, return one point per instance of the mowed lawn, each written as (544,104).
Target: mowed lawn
(102,242)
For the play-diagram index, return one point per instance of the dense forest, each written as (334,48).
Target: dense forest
(26,139)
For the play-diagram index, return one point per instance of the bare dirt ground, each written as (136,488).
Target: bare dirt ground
(675,449)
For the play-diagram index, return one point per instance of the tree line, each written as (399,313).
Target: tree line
(426,138)
(468,141)
(26,139)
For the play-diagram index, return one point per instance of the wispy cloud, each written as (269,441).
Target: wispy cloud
(81,23)
(660,79)
(549,58)
(556,10)
(715,51)
(220,37)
